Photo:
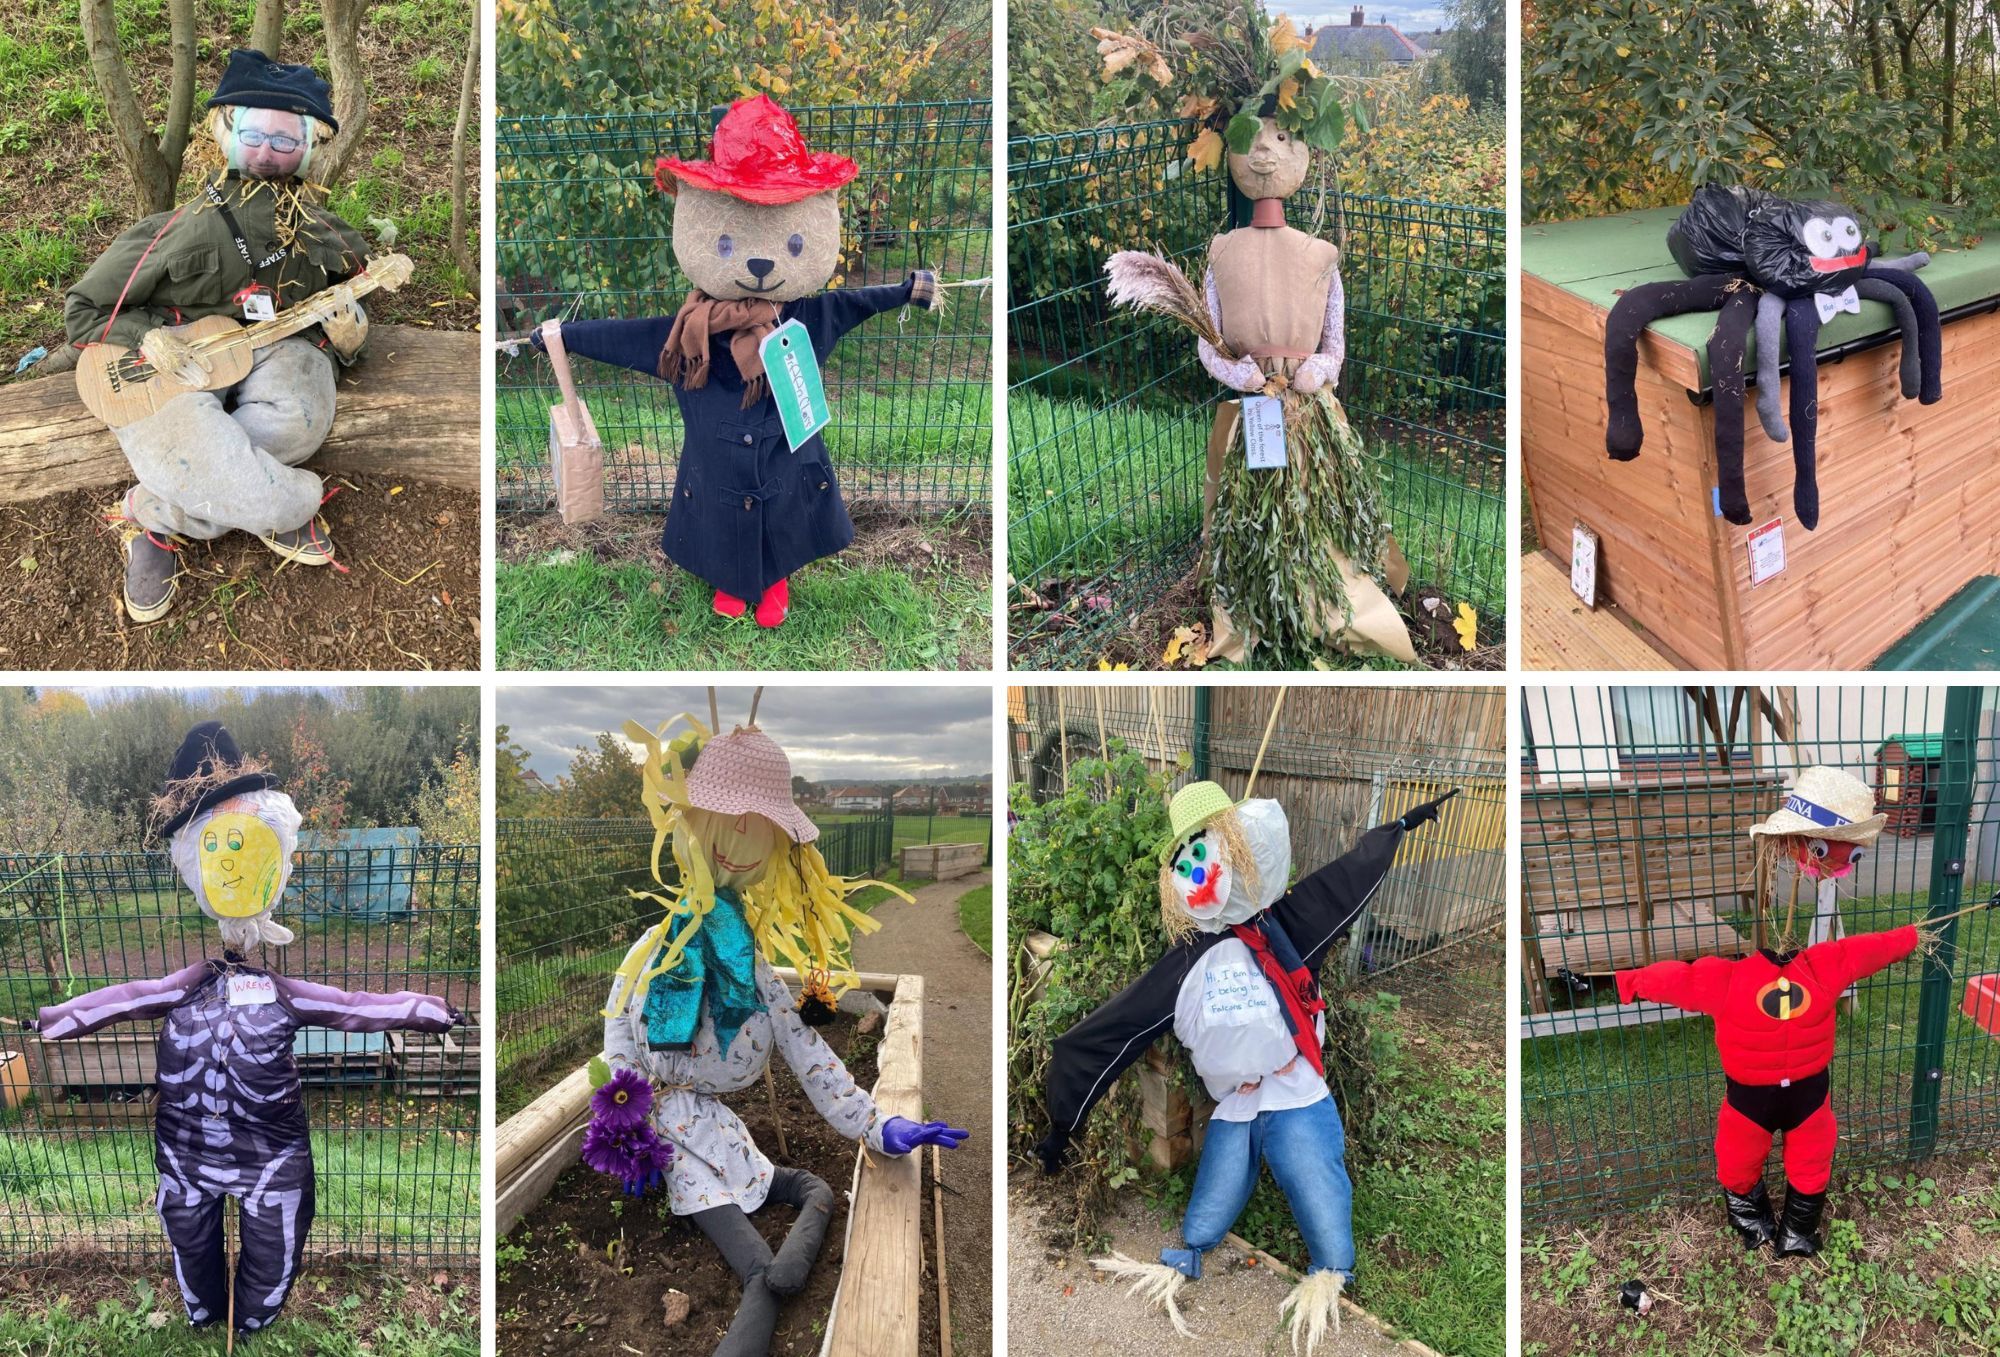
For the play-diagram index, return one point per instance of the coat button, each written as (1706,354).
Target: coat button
(746,438)
(822,485)
(746,501)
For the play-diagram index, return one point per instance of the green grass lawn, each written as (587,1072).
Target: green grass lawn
(568,610)
(349,1315)
(975,917)
(375,1188)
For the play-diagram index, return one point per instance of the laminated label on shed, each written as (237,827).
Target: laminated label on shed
(1909,493)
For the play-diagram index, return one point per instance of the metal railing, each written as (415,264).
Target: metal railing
(394,1116)
(1636,804)
(583,233)
(1109,413)
(565,917)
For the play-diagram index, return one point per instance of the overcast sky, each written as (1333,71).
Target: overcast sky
(831,734)
(1410,16)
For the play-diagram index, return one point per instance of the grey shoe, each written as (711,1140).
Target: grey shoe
(303,546)
(151,572)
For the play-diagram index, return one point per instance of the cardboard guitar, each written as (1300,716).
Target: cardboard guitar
(120,387)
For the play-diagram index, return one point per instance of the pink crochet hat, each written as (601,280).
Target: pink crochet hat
(745,771)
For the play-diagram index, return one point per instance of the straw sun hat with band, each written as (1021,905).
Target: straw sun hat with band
(1825,823)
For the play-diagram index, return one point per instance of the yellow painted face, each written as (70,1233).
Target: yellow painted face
(739,847)
(242,865)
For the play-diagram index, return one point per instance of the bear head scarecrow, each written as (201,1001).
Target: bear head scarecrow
(254,241)
(696,1010)
(231,1120)
(1788,267)
(1239,987)
(1774,1014)
(757,233)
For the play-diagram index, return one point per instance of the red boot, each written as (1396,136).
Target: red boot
(728,605)
(777,601)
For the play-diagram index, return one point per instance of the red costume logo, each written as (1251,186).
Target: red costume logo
(1784,999)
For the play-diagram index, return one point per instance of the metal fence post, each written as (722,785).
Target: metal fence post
(1201,729)
(1954,810)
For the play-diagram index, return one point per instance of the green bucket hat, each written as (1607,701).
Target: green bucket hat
(1190,811)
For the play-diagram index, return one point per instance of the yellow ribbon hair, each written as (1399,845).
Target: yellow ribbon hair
(798,913)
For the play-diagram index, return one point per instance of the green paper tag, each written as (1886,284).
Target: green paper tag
(792,368)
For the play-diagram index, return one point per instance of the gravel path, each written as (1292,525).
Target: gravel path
(924,939)
(1056,1303)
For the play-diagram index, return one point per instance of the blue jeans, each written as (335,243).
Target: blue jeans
(1306,1148)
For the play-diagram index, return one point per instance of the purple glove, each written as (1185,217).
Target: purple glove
(900,1135)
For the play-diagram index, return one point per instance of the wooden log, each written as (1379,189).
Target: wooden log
(875,982)
(521,1138)
(944,1283)
(516,1197)
(876,1310)
(409,410)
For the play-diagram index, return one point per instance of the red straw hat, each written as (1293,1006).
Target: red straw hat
(744,772)
(760,156)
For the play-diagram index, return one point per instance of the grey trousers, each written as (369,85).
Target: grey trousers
(767,1276)
(212,462)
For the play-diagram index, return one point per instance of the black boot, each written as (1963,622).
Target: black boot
(1750,1215)
(1799,1235)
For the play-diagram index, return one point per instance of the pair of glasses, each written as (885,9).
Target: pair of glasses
(277,141)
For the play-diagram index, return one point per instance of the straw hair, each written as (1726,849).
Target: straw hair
(184,792)
(798,912)
(1151,282)
(1174,915)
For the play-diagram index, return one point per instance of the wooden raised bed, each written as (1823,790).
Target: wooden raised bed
(1909,493)
(941,861)
(877,1305)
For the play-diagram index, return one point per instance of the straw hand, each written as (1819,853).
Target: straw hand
(174,356)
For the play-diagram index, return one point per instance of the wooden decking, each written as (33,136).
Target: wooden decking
(1558,632)
(1601,940)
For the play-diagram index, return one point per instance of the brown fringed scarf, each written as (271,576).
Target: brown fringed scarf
(684,361)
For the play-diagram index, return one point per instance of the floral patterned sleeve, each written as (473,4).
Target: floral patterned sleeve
(621,1047)
(845,1104)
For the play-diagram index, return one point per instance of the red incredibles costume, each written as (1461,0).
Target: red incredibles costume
(1774,1029)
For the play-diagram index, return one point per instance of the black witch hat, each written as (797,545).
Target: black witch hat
(202,774)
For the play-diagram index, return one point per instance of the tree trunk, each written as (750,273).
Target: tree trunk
(180,99)
(152,181)
(267,29)
(342,21)
(1878,70)
(468,90)
(1950,90)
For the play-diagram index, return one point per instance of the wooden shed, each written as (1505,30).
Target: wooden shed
(1615,875)
(1909,494)
(1908,772)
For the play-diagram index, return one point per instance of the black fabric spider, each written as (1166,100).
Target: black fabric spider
(1778,263)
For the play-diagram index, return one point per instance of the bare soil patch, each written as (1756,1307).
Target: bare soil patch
(406,595)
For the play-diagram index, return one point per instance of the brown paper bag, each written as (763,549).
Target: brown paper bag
(576,456)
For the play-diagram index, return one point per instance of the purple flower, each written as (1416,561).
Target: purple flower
(624,1100)
(627,1153)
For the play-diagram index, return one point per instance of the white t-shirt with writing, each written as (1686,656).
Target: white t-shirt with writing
(1233,1024)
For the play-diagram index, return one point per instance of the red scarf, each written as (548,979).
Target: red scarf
(1297,987)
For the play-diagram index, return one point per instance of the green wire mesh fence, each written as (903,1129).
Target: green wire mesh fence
(394,1116)
(584,234)
(1635,808)
(1340,761)
(565,918)
(1109,413)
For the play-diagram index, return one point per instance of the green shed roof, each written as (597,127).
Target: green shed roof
(1916,746)
(1600,257)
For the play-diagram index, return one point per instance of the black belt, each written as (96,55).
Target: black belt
(1780,1107)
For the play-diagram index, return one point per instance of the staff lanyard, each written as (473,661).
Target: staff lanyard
(257,266)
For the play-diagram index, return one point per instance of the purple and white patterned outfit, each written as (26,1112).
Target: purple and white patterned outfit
(231,1120)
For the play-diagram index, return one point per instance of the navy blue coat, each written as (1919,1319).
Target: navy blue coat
(747,511)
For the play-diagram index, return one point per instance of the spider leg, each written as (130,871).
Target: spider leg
(1802,334)
(1633,312)
(1882,290)
(1725,371)
(1930,341)
(1770,353)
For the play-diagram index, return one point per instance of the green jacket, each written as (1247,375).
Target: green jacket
(195,269)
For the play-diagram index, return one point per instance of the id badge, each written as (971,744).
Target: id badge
(1264,432)
(258,304)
